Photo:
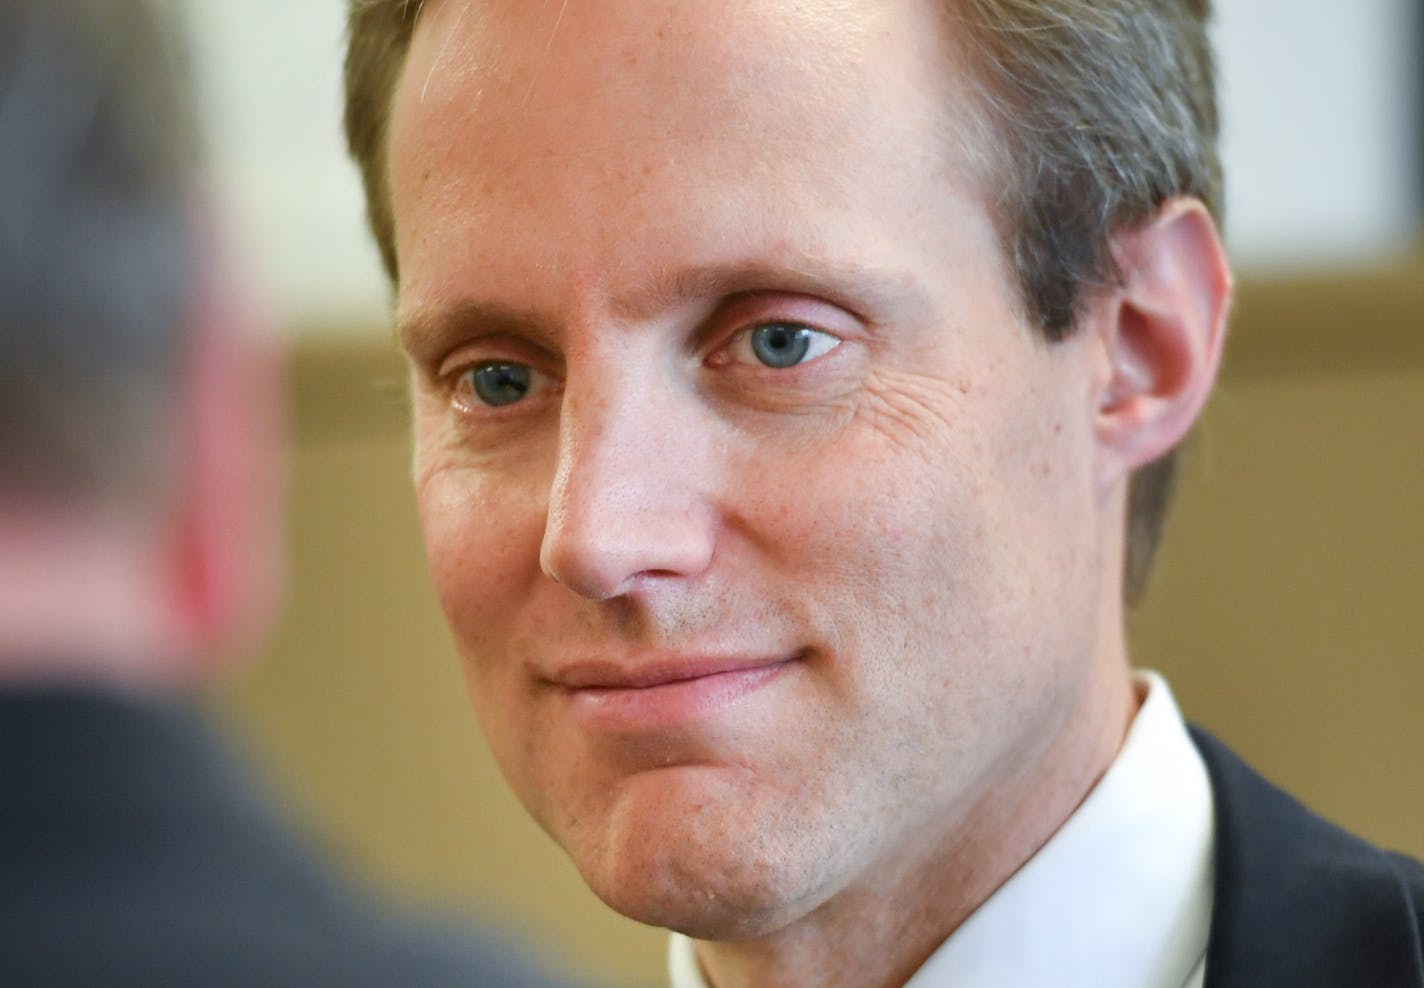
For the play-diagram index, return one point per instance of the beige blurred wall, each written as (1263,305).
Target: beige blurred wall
(1287,614)
(1289,607)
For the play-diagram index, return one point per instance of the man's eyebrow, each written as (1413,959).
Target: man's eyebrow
(860,289)
(866,292)
(424,330)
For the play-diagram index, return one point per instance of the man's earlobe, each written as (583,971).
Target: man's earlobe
(1162,337)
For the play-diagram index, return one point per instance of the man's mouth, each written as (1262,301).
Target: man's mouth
(664,693)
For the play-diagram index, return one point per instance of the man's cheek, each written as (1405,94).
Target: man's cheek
(481,558)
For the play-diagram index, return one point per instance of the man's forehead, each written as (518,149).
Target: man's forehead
(511,26)
(696,84)
(510,56)
(650,153)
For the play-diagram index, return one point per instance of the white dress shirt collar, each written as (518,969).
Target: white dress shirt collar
(1119,897)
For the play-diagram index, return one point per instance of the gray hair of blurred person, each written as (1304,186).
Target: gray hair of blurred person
(96,250)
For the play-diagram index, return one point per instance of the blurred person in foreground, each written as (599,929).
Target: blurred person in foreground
(139,430)
(795,384)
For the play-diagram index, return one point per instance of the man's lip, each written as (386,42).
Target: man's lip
(599,674)
(637,698)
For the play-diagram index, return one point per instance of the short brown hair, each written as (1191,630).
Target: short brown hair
(1101,110)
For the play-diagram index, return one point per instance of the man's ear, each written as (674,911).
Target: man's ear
(225,570)
(1161,336)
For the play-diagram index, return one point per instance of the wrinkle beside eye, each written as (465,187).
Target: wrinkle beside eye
(910,410)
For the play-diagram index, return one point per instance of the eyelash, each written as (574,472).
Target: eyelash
(744,341)
(738,349)
(465,392)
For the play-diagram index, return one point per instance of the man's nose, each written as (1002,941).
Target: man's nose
(627,501)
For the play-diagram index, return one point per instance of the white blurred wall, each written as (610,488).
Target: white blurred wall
(1319,141)
(1320,103)
(269,77)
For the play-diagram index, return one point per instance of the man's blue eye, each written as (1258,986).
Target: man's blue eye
(501,384)
(783,344)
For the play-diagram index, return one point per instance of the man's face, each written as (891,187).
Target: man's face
(765,526)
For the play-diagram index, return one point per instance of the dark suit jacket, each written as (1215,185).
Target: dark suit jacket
(1300,902)
(134,853)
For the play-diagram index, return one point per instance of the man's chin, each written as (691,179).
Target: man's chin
(703,911)
(711,883)
(706,850)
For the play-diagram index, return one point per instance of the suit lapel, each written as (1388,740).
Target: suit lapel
(1299,901)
